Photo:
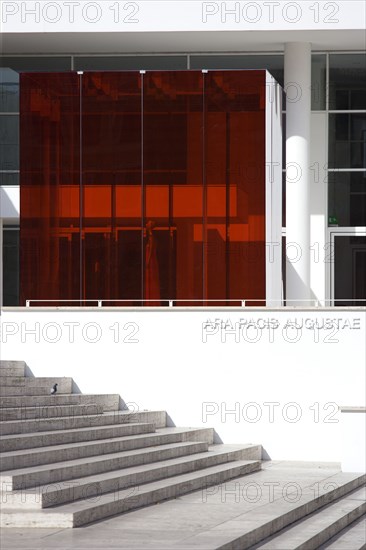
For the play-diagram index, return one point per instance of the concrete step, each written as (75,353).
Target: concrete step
(52,411)
(19,442)
(47,495)
(92,509)
(312,531)
(353,537)
(61,471)
(56,453)
(12,391)
(109,402)
(253,528)
(64,382)
(12,368)
(70,451)
(159,418)
(15,386)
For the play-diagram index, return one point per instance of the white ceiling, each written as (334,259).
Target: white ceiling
(172,42)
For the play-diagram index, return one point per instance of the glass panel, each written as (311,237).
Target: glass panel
(347,141)
(9,142)
(283,199)
(9,91)
(23,63)
(272,63)
(133,62)
(49,190)
(9,179)
(318,82)
(173,209)
(235,185)
(350,271)
(170,203)
(347,81)
(347,199)
(111,157)
(10,267)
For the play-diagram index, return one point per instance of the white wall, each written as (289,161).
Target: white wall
(171,367)
(10,203)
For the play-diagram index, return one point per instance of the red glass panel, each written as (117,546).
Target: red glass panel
(185,222)
(234,231)
(111,182)
(173,165)
(49,187)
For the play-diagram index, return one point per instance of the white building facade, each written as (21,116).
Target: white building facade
(238,369)
(315,50)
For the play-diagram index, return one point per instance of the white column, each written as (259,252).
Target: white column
(298,109)
(1,263)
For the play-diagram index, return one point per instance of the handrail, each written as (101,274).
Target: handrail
(171,302)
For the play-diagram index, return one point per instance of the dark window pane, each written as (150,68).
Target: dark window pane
(133,62)
(23,63)
(318,82)
(10,267)
(9,91)
(350,271)
(284,199)
(50,187)
(9,142)
(347,199)
(9,178)
(347,81)
(347,140)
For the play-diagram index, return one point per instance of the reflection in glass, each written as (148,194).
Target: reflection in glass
(111,176)
(143,187)
(235,189)
(347,81)
(29,63)
(50,187)
(173,184)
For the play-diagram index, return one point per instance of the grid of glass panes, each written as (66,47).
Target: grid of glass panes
(9,127)
(346,105)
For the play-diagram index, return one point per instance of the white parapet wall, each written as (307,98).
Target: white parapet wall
(275,377)
(353,430)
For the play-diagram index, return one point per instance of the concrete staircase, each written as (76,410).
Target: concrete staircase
(70,459)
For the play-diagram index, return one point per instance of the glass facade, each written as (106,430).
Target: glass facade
(142,188)
(347,82)
(338,88)
(350,275)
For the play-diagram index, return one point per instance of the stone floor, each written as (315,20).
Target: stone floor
(190,521)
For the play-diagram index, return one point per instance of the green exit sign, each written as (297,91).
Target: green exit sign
(332,220)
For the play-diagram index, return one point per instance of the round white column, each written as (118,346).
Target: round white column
(1,262)
(298,109)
